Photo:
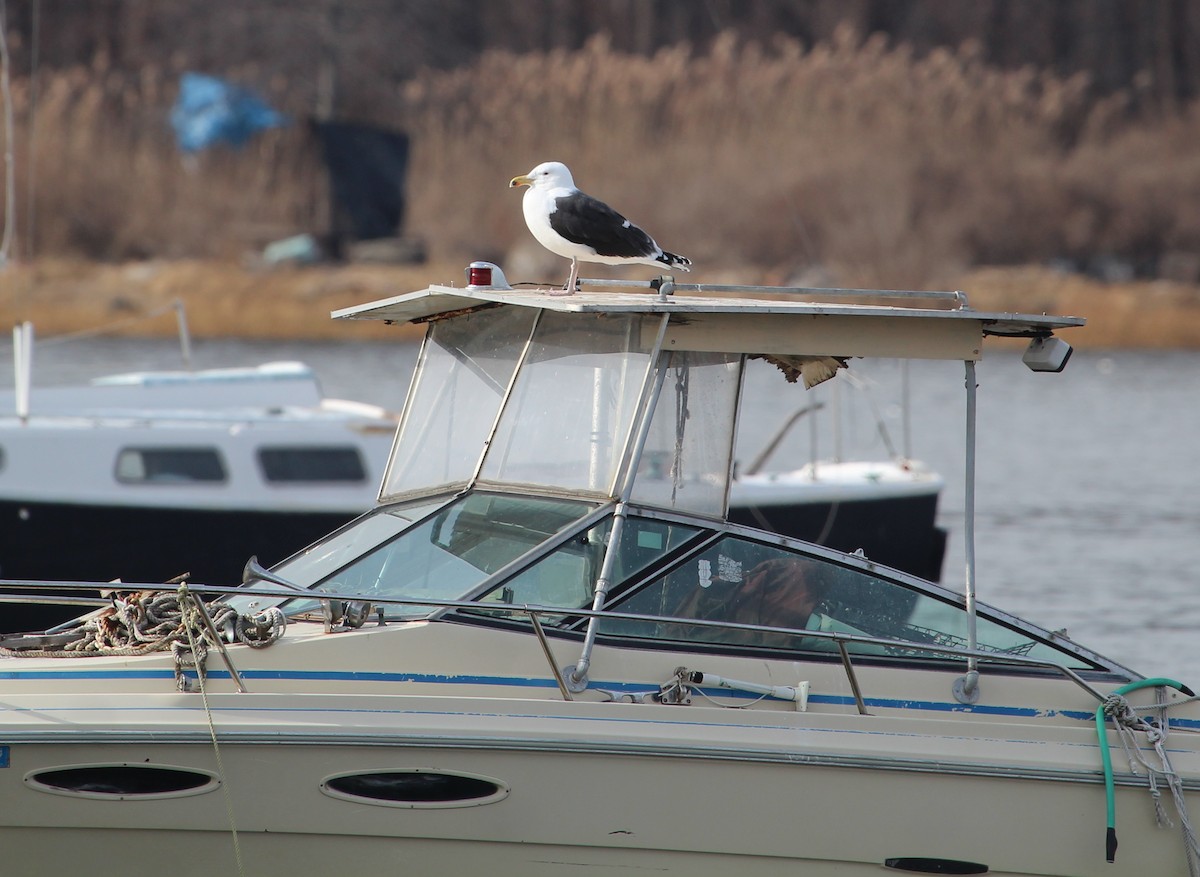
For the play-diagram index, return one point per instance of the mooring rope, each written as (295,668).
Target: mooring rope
(192,614)
(1127,723)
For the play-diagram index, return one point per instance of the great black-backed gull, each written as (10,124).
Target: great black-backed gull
(578,227)
(812,370)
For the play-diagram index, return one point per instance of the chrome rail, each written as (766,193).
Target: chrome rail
(839,641)
(956,296)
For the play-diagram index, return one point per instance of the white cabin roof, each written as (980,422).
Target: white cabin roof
(773,320)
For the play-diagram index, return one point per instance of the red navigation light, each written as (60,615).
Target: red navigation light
(479,274)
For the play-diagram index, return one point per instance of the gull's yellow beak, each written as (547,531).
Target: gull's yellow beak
(522,180)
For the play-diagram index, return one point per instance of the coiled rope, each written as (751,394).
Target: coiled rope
(1127,723)
(142,622)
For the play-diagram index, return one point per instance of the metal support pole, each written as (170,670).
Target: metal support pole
(966,688)
(185,336)
(23,367)
(906,409)
(577,677)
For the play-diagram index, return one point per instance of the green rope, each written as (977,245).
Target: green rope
(1110,839)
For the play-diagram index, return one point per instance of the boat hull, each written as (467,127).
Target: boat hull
(605,783)
(605,809)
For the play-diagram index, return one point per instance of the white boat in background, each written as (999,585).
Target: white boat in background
(547,653)
(157,474)
(884,505)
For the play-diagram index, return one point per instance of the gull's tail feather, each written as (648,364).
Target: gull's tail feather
(671,260)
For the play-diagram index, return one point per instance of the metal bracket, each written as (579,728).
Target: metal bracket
(966,688)
(575,684)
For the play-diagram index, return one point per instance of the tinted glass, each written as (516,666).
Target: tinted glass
(446,555)
(312,464)
(567,577)
(743,582)
(169,465)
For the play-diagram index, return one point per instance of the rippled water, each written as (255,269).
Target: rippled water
(1087,510)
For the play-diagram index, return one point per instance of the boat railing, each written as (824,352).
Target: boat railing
(666,286)
(45,593)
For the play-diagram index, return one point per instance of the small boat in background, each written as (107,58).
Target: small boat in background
(151,475)
(884,505)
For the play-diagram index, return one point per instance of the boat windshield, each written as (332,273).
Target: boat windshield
(746,593)
(506,401)
(522,402)
(429,551)
(740,581)
(567,576)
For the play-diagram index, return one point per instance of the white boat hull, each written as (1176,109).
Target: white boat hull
(607,786)
(567,809)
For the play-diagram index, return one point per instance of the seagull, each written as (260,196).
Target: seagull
(578,227)
(812,370)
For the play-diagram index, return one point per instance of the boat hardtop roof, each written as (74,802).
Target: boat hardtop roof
(752,319)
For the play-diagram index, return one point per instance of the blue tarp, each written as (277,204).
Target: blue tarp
(210,110)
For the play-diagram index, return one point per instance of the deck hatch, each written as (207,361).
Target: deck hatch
(416,788)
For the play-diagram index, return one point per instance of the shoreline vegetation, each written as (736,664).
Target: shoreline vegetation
(851,162)
(225,299)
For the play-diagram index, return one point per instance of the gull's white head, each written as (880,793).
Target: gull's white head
(547,175)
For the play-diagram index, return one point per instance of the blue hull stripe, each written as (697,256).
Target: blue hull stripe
(541,683)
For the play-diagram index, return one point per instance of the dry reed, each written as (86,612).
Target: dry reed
(854,157)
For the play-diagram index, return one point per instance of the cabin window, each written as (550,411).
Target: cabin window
(286,465)
(122,781)
(170,466)
(415,789)
(737,581)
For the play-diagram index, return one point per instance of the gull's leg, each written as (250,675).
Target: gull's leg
(569,289)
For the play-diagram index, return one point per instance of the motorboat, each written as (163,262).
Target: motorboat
(547,651)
